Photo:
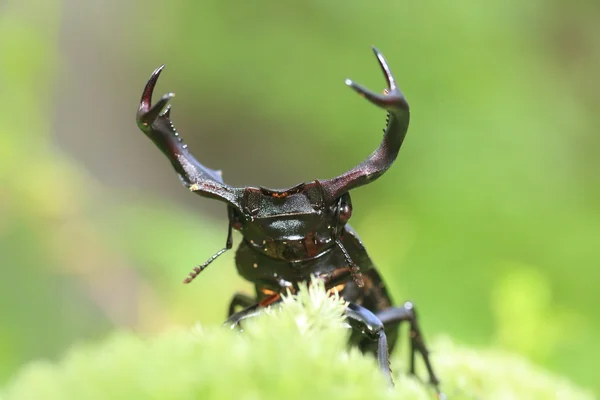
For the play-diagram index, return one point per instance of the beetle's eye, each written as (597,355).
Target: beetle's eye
(237,221)
(345,212)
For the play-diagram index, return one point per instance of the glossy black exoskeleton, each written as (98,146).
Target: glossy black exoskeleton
(291,234)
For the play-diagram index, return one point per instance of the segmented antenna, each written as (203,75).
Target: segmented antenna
(354,269)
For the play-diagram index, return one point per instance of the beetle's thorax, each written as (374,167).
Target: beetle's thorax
(293,224)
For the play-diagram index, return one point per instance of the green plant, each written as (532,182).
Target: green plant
(296,351)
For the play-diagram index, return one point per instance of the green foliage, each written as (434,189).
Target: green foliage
(297,351)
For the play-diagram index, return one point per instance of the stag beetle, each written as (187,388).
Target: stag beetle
(292,234)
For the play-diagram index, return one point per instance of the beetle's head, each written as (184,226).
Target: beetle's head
(302,202)
(291,224)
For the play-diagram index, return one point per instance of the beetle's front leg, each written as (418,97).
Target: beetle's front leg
(367,323)
(240,299)
(251,311)
(234,320)
(395,315)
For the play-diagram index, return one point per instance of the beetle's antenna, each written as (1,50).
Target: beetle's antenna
(354,269)
(228,245)
(196,271)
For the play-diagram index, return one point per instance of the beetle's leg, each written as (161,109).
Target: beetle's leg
(241,300)
(364,321)
(417,344)
(251,311)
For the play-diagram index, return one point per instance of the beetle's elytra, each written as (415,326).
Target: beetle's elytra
(291,234)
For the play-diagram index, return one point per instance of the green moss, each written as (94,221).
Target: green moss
(297,351)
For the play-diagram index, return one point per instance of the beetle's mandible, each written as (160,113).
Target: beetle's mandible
(291,234)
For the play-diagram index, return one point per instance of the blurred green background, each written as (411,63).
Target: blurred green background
(489,219)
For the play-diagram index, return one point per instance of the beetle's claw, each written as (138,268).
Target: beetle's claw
(148,113)
(392,97)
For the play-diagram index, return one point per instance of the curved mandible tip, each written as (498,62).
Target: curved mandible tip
(149,88)
(393,101)
(148,113)
(154,121)
(385,68)
(392,98)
